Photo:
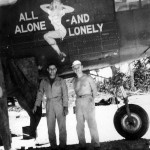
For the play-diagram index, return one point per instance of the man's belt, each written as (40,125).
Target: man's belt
(54,97)
(82,96)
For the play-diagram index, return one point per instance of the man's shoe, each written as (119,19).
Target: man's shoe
(82,148)
(54,148)
(96,148)
(62,147)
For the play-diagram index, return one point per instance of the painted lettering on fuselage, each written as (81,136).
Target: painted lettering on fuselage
(29,27)
(83,29)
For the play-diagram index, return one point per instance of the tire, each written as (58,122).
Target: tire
(139,125)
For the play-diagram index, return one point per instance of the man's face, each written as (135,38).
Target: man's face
(77,69)
(52,71)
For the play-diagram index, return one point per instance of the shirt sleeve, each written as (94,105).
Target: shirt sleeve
(64,93)
(93,87)
(40,94)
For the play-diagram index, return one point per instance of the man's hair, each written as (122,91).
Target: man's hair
(51,65)
(52,62)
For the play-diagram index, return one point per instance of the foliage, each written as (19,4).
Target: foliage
(111,85)
(142,74)
(141,71)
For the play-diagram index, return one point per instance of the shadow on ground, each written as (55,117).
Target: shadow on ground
(141,144)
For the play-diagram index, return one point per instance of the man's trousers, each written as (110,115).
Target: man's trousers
(54,110)
(85,110)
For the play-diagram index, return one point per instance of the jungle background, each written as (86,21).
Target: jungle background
(134,76)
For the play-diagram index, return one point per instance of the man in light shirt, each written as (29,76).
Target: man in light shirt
(86,91)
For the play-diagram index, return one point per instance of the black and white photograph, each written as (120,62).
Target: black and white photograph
(74,74)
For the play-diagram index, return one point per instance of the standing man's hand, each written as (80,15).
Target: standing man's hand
(65,111)
(34,109)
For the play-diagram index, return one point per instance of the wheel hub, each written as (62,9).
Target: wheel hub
(131,124)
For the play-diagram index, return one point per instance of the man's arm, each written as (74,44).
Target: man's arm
(40,94)
(65,93)
(93,86)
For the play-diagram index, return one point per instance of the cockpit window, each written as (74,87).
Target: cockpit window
(125,5)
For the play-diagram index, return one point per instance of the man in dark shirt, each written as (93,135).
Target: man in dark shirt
(56,92)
